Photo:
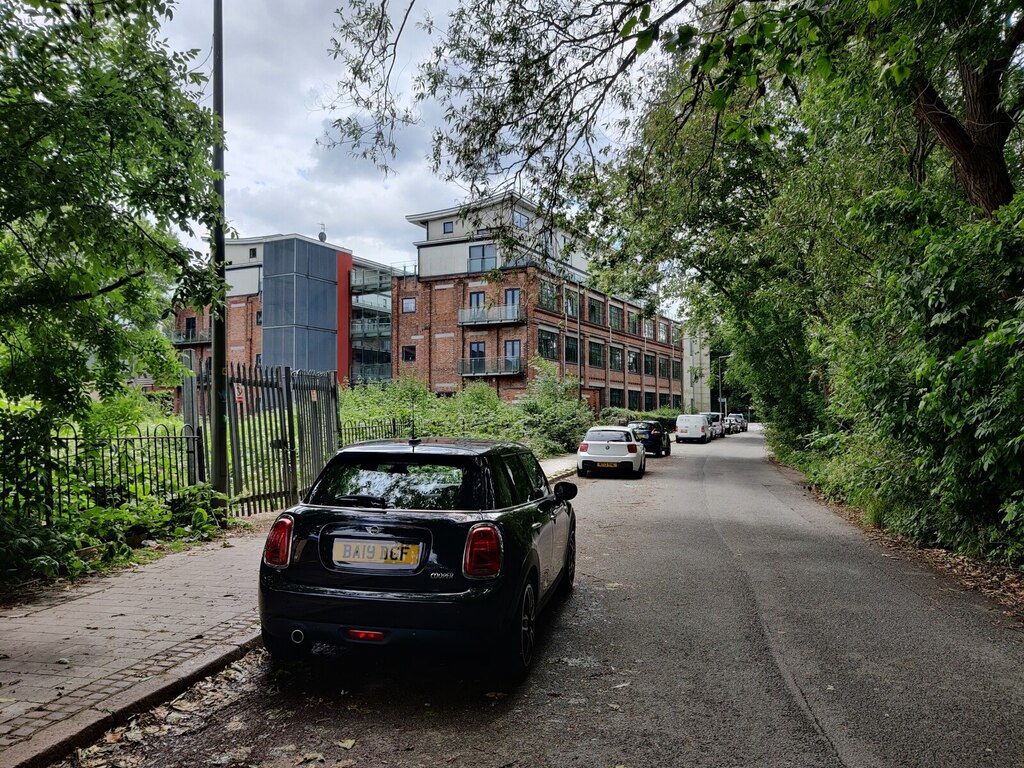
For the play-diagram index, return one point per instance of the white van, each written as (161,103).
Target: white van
(692,427)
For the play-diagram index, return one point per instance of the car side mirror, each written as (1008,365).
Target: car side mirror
(565,491)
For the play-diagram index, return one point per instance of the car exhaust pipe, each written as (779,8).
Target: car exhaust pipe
(298,636)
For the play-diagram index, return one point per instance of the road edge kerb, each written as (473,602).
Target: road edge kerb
(60,739)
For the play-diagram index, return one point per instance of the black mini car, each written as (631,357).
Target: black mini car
(421,540)
(653,435)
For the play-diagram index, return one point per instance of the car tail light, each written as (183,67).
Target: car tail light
(366,635)
(677,427)
(584,447)
(483,552)
(631,447)
(278,549)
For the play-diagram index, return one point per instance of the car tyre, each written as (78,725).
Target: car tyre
(581,472)
(640,472)
(668,449)
(565,586)
(284,651)
(521,641)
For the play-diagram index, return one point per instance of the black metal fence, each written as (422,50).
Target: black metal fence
(112,469)
(354,431)
(71,470)
(282,428)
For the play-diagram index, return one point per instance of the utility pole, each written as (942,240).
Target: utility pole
(219,385)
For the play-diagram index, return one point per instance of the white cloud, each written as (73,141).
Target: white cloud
(277,73)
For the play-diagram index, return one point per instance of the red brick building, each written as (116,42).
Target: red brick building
(495,288)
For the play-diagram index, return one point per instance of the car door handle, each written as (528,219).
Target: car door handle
(537,526)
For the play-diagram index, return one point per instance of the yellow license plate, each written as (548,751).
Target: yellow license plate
(607,464)
(382,552)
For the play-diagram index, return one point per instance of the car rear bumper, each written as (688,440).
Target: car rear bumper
(326,615)
(621,464)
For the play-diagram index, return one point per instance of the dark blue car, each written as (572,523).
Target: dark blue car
(653,435)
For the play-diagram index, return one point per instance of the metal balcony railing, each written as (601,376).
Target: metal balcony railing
(378,372)
(370,281)
(500,315)
(370,327)
(191,336)
(490,366)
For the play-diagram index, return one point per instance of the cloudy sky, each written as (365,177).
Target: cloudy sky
(277,77)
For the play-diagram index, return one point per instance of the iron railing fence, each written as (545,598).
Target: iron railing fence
(99,469)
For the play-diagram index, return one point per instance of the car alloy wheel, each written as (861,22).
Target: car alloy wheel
(527,625)
(569,567)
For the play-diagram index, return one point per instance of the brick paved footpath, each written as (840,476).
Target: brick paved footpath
(79,661)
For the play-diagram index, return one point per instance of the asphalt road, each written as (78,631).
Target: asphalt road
(722,617)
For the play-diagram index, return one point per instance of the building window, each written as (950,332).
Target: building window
(634,323)
(252,253)
(662,367)
(648,365)
(648,329)
(572,305)
(409,354)
(190,326)
(408,305)
(663,333)
(677,401)
(572,350)
(595,311)
(448,227)
(259,317)
(615,399)
(512,297)
(547,345)
(477,355)
(483,258)
(634,400)
(520,220)
(648,401)
(677,370)
(476,300)
(615,318)
(513,350)
(596,356)
(547,298)
(633,358)
(663,400)
(614,359)
(259,359)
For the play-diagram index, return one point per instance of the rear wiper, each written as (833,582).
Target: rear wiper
(363,500)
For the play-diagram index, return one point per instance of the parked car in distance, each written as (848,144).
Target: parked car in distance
(611,449)
(653,435)
(692,428)
(731,425)
(717,425)
(398,542)
(741,419)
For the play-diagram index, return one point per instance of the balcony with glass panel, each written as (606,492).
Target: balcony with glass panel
(191,336)
(490,366)
(362,281)
(367,326)
(364,373)
(502,314)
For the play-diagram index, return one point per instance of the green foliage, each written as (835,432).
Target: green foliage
(104,157)
(549,418)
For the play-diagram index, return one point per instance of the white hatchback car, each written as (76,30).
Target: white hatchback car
(611,449)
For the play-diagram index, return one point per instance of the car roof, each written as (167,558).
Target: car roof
(609,426)
(643,421)
(443,446)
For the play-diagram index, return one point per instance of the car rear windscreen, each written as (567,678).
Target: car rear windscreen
(607,436)
(407,482)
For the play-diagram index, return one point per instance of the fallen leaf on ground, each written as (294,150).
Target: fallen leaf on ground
(620,685)
(346,743)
